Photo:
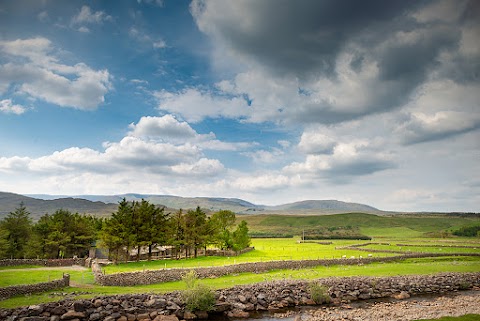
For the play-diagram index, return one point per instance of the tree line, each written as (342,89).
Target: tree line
(134,225)
(140,224)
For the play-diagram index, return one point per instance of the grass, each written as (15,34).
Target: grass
(467,317)
(395,229)
(372,225)
(421,249)
(406,267)
(18,267)
(265,250)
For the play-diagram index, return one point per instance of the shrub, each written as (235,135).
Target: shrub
(319,293)
(197,297)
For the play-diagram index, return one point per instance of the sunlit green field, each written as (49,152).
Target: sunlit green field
(83,281)
(265,250)
(413,232)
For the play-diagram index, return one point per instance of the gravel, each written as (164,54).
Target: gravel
(416,308)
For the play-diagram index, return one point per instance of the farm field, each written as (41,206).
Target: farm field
(388,234)
(83,284)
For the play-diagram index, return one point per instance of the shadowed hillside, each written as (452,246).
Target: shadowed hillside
(38,207)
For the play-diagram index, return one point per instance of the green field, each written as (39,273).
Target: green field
(398,226)
(392,230)
(265,250)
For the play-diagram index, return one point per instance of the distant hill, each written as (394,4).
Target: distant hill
(37,207)
(331,206)
(102,205)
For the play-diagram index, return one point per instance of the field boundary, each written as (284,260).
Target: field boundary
(14,290)
(42,262)
(240,301)
(176,274)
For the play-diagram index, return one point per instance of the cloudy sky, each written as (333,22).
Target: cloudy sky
(272,101)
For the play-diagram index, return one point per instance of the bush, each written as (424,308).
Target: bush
(197,297)
(319,293)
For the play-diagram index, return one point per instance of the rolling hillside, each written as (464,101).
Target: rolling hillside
(102,205)
(333,206)
(38,207)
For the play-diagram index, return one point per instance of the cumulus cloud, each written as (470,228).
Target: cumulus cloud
(168,129)
(421,128)
(195,105)
(87,16)
(32,70)
(8,107)
(313,142)
(329,62)
(440,110)
(266,156)
(348,160)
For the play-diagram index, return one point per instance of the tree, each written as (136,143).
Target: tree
(152,226)
(223,221)
(63,234)
(195,227)
(176,231)
(17,226)
(241,239)
(118,230)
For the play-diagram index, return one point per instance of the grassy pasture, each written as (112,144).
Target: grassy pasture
(83,281)
(399,226)
(468,317)
(265,250)
(395,229)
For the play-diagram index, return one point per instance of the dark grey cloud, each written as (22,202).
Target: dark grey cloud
(414,130)
(299,37)
(407,42)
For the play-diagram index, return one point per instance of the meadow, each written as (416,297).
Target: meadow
(410,236)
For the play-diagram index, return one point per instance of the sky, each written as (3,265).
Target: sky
(271,101)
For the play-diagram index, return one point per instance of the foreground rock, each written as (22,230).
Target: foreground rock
(243,301)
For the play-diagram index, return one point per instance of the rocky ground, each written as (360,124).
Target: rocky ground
(415,308)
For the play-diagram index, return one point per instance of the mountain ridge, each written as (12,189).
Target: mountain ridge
(103,205)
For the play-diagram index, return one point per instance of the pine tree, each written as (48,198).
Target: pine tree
(17,226)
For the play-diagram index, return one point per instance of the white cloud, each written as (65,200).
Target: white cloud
(87,16)
(266,156)
(166,127)
(33,71)
(348,160)
(8,107)
(203,167)
(142,37)
(313,142)
(84,29)
(159,44)
(43,16)
(195,105)
(265,182)
(441,109)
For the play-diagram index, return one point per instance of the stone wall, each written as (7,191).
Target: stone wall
(14,290)
(241,301)
(228,252)
(42,262)
(168,275)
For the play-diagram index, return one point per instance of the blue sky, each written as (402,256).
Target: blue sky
(271,101)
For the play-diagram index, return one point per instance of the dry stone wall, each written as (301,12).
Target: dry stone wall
(241,301)
(42,262)
(168,275)
(14,290)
